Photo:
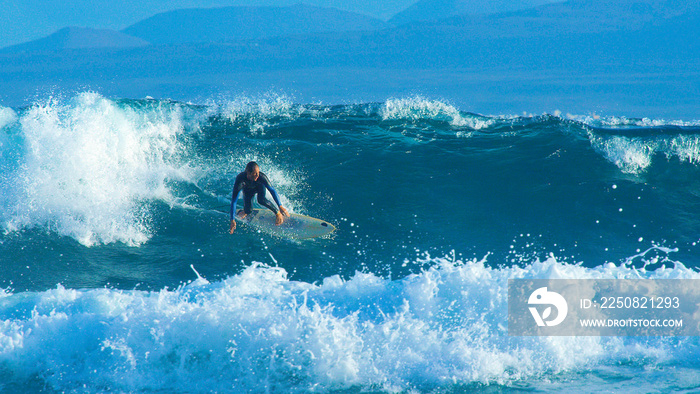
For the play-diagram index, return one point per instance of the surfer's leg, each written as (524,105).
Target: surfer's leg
(262,200)
(248,201)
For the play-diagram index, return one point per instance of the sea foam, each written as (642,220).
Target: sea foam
(259,331)
(88,166)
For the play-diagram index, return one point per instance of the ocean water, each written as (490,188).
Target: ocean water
(119,275)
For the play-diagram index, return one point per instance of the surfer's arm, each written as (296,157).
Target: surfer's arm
(234,200)
(283,210)
(273,192)
(266,182)
(237,188)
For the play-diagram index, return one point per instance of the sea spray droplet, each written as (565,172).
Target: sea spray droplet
(7,117)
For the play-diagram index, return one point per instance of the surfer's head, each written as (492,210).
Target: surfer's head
(252,171)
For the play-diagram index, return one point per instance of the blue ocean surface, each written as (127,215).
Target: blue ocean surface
(119,274)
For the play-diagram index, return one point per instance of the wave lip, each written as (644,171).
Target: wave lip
(417,107)
(634,155)
(625,122)
(260,113)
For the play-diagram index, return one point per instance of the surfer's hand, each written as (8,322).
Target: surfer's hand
(280,219)
(233,226)
(284,211)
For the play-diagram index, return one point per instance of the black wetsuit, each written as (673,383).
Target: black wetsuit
(249,189)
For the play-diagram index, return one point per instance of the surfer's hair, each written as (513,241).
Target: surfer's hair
(250,167)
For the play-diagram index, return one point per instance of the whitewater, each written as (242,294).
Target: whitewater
(119,275)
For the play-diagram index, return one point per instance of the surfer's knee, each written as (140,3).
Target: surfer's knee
(262,200)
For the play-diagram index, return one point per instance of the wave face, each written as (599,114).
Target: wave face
(109,207)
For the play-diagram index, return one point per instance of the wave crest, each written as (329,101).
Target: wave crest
(419,108)
(89,165)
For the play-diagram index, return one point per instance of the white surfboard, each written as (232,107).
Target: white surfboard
(295,226)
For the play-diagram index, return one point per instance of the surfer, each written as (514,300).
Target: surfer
(250,182)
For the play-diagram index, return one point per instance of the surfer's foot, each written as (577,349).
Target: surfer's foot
(241,214)
(280,219)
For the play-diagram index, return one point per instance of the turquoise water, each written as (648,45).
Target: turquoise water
(120,275)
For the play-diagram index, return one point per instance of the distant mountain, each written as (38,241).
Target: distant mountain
(433,10)
(600,35)
(245,23)
(529,16)
(79,38)
(572,17)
